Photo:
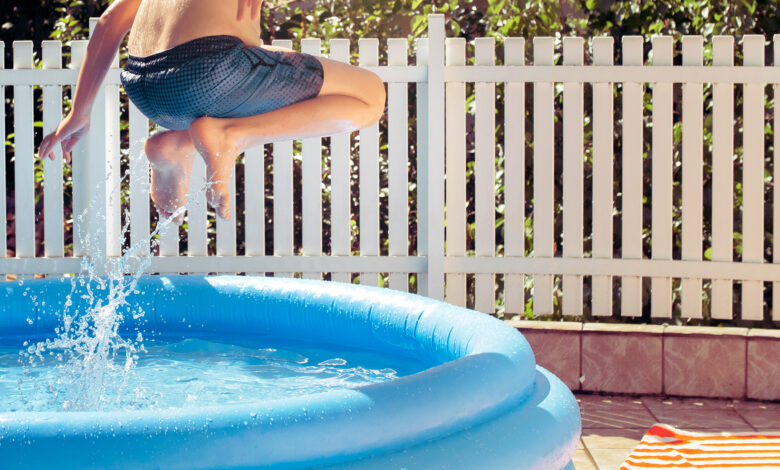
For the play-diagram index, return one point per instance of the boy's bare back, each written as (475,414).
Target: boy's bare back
(162,24)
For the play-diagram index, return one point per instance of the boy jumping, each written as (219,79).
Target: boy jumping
(197,68)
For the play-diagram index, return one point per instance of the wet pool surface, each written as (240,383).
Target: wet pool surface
(192,373)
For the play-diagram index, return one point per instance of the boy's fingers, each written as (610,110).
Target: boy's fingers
(46,149)
(68,144)
(241,9)
(42,151)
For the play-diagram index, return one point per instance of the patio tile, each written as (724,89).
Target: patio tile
(762,420)
(609,459)
(763,368)
(622,361)
(703,419)
(558,352)
(704,364)
(654,403)
(600,412)
(741,405)
(583,461)
(611,438)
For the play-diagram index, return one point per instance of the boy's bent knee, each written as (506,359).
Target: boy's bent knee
(376,98)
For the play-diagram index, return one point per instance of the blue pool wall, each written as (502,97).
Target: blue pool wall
(482,374)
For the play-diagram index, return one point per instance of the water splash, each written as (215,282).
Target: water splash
(93,361)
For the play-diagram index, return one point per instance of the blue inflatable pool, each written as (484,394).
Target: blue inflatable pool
(483,405)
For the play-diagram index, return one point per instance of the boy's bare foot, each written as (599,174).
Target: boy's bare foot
(219,152)
(170,154)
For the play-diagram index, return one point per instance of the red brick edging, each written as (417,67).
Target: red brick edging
(658,359)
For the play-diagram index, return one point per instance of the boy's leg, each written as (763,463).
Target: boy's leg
(170,154)
(350,98)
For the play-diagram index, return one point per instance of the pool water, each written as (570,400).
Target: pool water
(202,372)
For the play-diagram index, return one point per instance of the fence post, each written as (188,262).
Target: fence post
(432,282)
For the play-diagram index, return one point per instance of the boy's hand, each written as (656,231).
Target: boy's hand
(68,133)
(250,8)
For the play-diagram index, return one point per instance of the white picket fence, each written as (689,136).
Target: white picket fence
(440,76)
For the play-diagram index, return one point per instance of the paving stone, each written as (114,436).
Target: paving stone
(611,438)
(583,461)
(609,459)
(762,419)
(614,412)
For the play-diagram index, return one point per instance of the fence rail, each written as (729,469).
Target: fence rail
(567,109)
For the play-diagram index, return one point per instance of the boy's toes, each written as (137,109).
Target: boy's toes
(220,201)
(165,215)
(162,214)
(223,208)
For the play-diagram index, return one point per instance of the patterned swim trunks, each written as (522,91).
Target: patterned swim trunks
(218,76)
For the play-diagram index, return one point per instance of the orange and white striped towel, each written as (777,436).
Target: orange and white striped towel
(666,447)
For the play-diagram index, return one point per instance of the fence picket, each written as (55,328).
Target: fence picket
(662,143)
(368,167)
(633,129)
(573,186)
(455,156)
(98,218)
(197,211)
(79,166)
(753,178)
(544,145)
(514,176)
(775,178)
(722,177)
(114,236)
(311,182)
(3,208)
(398,158)
(168,241)
(340,192)
(603,201)
(283,190)
(53,210)
(139,181)
(692,179)
(254,201)
(226,228)
(484,176)
(23,155)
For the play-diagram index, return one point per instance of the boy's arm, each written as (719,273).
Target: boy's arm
(111,29)
(249,8)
